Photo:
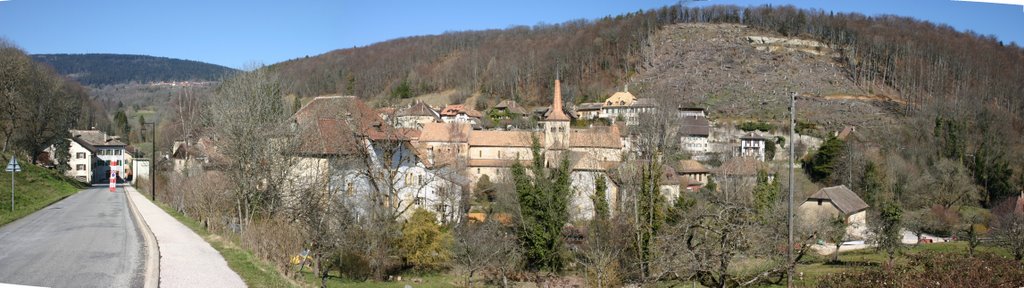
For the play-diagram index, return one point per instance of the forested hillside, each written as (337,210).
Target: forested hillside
(107,69)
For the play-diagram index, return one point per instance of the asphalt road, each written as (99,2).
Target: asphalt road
(85,240)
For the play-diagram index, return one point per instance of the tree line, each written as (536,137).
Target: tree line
(39,106)
(109,69)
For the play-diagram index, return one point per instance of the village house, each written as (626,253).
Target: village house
(510,109)
(460,114)
(692,174)
(197,155)
(694,112)
(834,201)
(92,152)
(416,116)
(694,132)
(752,145)
(624,106)
(336,134)
(590,110)
(740,174)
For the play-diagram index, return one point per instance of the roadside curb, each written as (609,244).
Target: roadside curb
(152,273)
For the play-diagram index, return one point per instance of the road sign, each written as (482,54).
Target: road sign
(13,165)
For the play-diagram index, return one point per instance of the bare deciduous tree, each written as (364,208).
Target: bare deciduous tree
(247,112)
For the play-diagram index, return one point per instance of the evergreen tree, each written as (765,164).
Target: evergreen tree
(887,229)
(766,194)
(601,212)
(711,186)
(485,189)
(543,206)
(679,208)
(992,172)
(142,124)
(121,123)
(950,135)
(822,163)
(871,184)
(650,213)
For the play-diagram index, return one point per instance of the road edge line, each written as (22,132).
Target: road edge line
(152,274)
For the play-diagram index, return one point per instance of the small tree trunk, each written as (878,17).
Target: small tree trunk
(835,255)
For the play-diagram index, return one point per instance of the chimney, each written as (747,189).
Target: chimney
(626,88)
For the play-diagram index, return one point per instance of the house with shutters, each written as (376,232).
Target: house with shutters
(92,152)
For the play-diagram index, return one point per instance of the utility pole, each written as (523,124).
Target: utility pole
(789,214)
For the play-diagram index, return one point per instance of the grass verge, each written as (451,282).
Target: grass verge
(255,272)
(34,188)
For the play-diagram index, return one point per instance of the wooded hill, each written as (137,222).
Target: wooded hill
(106,69)
(920,60)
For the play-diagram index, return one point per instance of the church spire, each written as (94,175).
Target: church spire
(556,113)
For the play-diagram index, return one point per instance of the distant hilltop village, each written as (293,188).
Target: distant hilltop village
(439,155)
(185,83)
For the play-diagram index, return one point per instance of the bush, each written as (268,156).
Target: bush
(424,243)
(759,126)
(274,240)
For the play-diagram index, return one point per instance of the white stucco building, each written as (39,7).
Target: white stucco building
(92,152)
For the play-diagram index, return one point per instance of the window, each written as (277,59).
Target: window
(419,201)
(80,167)
(80,155)
(819,202)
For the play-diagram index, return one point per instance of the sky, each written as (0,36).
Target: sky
(240,34)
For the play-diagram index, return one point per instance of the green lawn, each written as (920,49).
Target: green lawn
(34,188)
(255,272)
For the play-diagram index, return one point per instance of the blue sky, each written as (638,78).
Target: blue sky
(239,33)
